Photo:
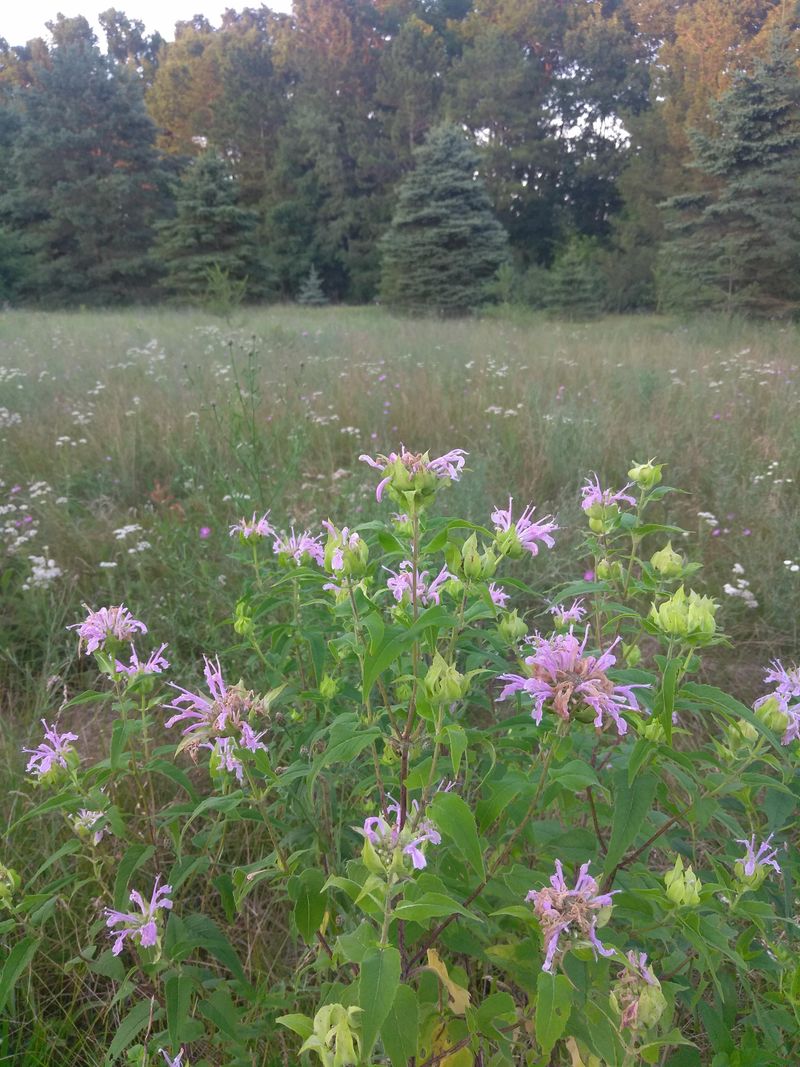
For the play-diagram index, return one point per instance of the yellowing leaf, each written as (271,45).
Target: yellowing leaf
(458,996)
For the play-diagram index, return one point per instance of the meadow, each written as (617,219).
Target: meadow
(131,442)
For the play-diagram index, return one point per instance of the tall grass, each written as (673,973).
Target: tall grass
(179,422)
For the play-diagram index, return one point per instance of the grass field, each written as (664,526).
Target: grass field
(130,442)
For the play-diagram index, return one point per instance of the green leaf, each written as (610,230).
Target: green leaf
(457,743)
(310,902)
(17,960)
(430,906)
(553,1007)
(454,818)
(665,702)
(574,775)
(204,933)
(377,989)
(134,857)
(133,1023)
(298,1024)
(400,1029)
(395,644)
(178,992)
(632,805)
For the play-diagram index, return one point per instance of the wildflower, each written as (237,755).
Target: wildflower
(685,616)
(576,911)
(499,596)
(666,562)
(514,538)
(561,673)
(299,547)
(412,477)
(405,584)
(254,528)
(636,996)
(775,709)
(511,627)
(10,882)
(223,713)
(477,564)
(752,868)
(683,886)
(154,664)
(107,624)
(170,1061)
(346,553)
(55,751)
(204,533)
(566,617)
(594,497)
(142,928)
(646,475)
(84,823)
(386,837)
(443,683)
(223,757)
(335,1038)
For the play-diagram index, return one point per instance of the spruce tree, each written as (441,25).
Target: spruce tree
(575,285)
(211,234)
(737,244)
(444,246)
(311,293)
(86,183)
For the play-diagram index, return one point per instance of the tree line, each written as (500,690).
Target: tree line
(587,154)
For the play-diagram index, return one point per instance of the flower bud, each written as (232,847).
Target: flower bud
(242,620)
(328,687)
(443,683)
(632,654)
(667,563)
(685,616)
(683,886)
(750,881)
(471,558)
(608,570)
(371,859)
(511,627)
(9,884)
(346,553)
(771,714)
(646,475)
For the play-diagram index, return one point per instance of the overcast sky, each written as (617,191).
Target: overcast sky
(20,20)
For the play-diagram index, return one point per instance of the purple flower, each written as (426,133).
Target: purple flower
(253,528)
(141,928)
(385,836)
(788,690)
(85,821)
(561,910)
(754,860)
(402,584)
(223,756)
(594,496)
(499,596)
(299,547)
(222,714)
(561,673)
(52,752)
(98,627)
(169,1061)
(565,617)
(154,664)
(449,466)
(204,533)
(342,539)
(631,982)
(527,533)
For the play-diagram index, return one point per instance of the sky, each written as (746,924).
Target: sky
(20,20)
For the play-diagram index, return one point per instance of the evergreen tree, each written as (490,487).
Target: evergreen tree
(85,180)
(737,245)
(444,246)
(575,285)
(311,293)
(210,232)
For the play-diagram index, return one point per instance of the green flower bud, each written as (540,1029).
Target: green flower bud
(606,569)
(646,475)
(632,654)
(750,881)
(770,713)
(685,616)
(683,886)
(328,687)
(443,683)
(336,1039)
(471,559)
(667,562)
(371,859)
(511,627)
(242,620)
(653,730)
(346,553)
(9,884)
(652,1005)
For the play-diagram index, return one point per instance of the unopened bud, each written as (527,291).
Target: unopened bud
(328,687)
(683,886)
(511,627)
(667,562)
(443,683)
(646,475)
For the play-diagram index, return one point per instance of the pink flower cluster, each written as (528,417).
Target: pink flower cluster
(114,623)
(787,691)
(142,927)
(449,465)
(51,752)
(561,910)
(404,582)
(529,533)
